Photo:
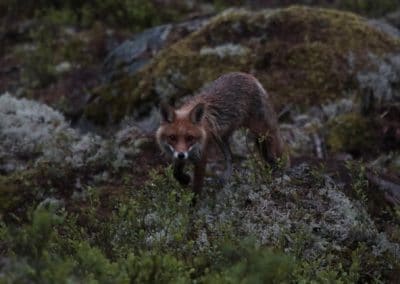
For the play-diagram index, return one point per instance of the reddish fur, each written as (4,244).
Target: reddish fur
(232,101)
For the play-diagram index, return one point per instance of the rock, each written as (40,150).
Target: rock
(32,133)
(303,56)
(385,27)
(25,128)
(381,82)
(135,53)
(63,67)
(394,18)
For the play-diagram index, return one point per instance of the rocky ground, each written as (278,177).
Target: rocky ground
(86,196)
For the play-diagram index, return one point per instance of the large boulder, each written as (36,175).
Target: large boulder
(394,18)
(303,56)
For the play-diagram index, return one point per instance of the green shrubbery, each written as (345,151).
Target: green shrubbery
(144,240)
(42,252)
(150,234)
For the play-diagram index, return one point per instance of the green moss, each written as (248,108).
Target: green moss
(112,105)
(352,133)
(312,76)
(17,191)
(299,54)
(22,189)
(10,195)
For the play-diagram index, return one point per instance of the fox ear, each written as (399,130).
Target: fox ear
(167,112)
(197,113)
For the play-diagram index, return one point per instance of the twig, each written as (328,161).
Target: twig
(318,145)
(285,110)
(391,190)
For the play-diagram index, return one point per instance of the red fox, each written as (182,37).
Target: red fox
(232,101)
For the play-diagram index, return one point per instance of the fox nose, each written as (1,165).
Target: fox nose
(181,155)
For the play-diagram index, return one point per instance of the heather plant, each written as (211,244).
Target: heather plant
(360,181)
(156,216)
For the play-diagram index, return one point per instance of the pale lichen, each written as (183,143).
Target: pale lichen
(225,50)
(33,133)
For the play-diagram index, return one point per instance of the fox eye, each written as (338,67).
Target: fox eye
(172,138)
(189,138)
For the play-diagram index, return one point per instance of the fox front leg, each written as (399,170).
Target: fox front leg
(199,172)
(179,174)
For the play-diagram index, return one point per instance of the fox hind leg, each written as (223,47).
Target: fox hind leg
(263,145)
(199,172)
(269,142)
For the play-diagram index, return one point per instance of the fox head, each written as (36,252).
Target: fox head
(181,134)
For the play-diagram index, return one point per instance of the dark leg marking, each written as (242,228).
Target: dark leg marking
(180,176)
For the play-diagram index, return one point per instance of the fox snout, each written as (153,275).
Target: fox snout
(192,153)
(176,154)
(181,155)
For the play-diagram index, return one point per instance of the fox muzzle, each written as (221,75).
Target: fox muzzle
(181,155)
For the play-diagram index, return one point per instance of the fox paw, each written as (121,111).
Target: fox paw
(183,179)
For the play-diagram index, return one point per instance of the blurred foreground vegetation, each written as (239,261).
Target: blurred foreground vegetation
(151,234)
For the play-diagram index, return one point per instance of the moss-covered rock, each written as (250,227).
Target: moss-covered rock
(301,55)
(353,133)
